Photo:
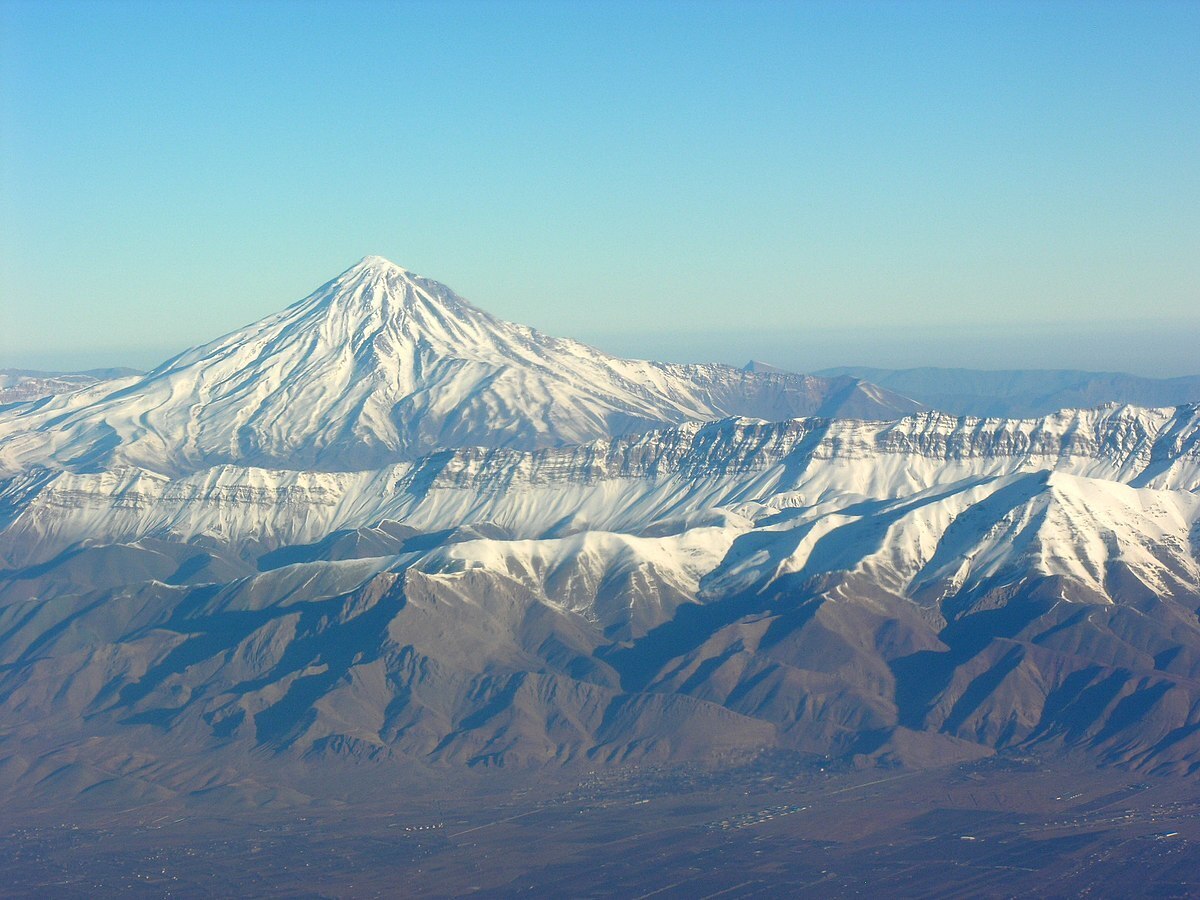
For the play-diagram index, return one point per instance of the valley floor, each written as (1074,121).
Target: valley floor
(777,826)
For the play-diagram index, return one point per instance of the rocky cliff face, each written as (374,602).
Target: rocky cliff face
(624,484)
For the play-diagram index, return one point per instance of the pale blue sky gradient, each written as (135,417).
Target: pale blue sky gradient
(1003,184)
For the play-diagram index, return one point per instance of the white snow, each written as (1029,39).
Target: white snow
(376,366)
(299,425)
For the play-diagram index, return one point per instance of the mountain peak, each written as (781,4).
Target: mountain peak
(377,263)
(377,286)
(376,270)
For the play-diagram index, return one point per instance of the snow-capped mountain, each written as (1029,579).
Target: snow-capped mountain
(380,365)
(386,526)
(920,591)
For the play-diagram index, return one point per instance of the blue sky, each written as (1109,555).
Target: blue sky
(992,184)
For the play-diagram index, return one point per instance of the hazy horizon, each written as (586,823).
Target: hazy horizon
(1135,348)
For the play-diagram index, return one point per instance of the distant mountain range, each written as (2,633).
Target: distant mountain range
(385,527)
(852,390)
(18,385)
(1037,392)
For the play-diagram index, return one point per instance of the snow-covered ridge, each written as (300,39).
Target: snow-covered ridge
(381,365)
(1118,442)
(625,484)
